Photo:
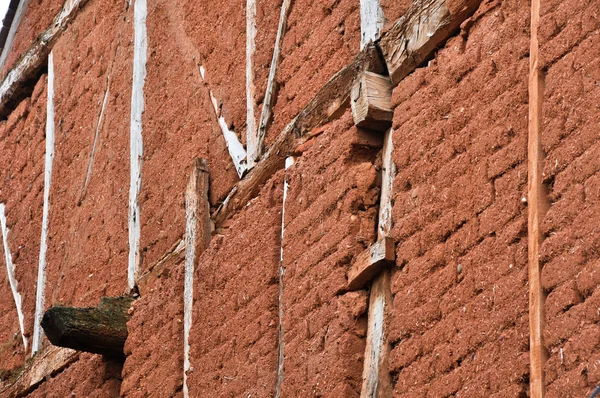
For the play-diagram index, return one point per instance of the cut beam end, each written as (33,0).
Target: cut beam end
(371,102)
(369,263)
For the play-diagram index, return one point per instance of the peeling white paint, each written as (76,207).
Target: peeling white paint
(136,145)
(371,21)
(251,132)
(387,181)
(10,268)
(188,287)
(40,297)
(234,146)
(289,162)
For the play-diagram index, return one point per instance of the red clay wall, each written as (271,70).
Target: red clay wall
(460,149)
(22,148)
(570,257)
(459,319)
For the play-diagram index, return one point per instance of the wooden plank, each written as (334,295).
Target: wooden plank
(14,25)
(371,21)
(251,132)
(289,162)
(371,262)
(40,297)
(266,113)
(424,27)
(47,363)
(197,239)
(372,102)
(136,144)
(537,207)
(10,270)
(376,376)
(330,101)
(17,83)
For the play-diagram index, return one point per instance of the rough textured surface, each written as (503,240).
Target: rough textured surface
(569,42)
(22,148)
(459,322)
(330,218)
(233,339)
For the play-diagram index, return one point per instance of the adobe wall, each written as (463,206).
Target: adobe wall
(458,325)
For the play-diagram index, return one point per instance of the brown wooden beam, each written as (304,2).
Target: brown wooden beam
(99,330)
(424,27)
(372,102)
(371,262)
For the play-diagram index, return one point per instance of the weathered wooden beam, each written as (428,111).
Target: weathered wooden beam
(197,239)
(267,109)
(376,374)
(18,83)
(371,262)
(251,132)
(39,368)
(537,206)
(371,21)
(99,330)
(372,101)
(424,27)
(330,101)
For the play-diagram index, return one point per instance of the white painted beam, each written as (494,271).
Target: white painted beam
(40,298)
(10,268)
(234,146)
(251,132)
(136,145)
(371,21)
(289,162)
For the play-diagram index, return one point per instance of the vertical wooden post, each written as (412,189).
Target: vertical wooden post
(197,239)
(251,132)
(266,112)
(371,21)
(376,376)
(136,145)
(536,210)
(40,298)
(289,162)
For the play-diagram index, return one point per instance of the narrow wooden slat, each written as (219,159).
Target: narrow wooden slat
(197,239)
(371,21)
(536,209)
(267,109)
(251,132)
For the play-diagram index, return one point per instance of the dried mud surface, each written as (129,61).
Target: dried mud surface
(459,324)
(22,148)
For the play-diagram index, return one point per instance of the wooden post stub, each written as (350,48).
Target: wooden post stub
(372,102)
(369,263)
(99,330)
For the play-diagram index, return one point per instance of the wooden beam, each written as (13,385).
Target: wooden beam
(99,330)
(40,296)
(18,82)
(371,21)
(39,368)
(251,132)
(330,101)
(372,101)
(370,263)
(537,207)
(197,239)
(424,27)
(376,374)
(267,109)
